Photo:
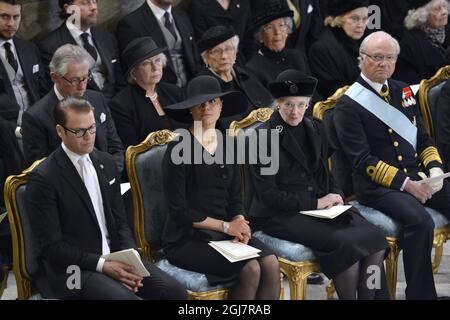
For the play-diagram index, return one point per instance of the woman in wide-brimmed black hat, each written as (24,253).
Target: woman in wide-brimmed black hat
(203,194)
(218,47)
(139,108)
(333,58)
(344,246)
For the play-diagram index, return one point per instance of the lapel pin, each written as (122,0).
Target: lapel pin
(238,6)
(102,117)
(279,128)
(101,166)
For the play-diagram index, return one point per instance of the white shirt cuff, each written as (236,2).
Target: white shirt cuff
(404,184)
(100,264)
(18,133)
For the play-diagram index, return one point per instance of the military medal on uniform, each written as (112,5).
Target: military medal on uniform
(408,97)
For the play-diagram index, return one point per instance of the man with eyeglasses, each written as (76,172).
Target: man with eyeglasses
(79,28)
(78,217)
(379,128)
(69,71)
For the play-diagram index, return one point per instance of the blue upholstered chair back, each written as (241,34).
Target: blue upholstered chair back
(148,171)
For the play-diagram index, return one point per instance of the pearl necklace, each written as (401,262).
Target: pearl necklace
(153,97)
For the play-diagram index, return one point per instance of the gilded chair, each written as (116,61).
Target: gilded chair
(25,250)
(429,91)
(341,169)
(296,261)
(143,164)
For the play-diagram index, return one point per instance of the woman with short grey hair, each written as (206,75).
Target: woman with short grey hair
(139,108)
(424,46)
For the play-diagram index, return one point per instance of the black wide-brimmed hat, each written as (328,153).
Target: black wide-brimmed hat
(293,83)
(138,50)
(339,7)
(214,36)
(265,11)
(416,4)
(204,88)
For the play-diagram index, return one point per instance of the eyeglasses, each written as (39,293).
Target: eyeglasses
(391,58)
(76,81)
(81,132)
(291,106)
(358,19)
(272,27)
(219,52)
(212,102)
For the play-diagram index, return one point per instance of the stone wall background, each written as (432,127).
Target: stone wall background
(41,16)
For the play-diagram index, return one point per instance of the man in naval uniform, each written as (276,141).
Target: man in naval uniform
(377,123)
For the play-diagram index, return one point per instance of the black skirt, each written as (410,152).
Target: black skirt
(199,256)
(337,244)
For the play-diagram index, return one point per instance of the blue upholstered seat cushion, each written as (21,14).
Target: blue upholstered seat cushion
(382,221)
(193,281)
(286,249)
(439,219)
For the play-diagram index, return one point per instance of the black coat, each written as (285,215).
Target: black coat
(142,23)
(205,14)
(106,45)
(39,129)
(32,68)
(297,185)
(381,159)
(64,220)
(441,122)
(135,116)
(334,61)
(266,65)
(418,58)
(392,16)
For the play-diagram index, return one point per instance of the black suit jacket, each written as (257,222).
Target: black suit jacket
(106,45)
(39,129)
(297,184)
(381,159)
(142,23)
(135,116)
(32,68)
(64,220)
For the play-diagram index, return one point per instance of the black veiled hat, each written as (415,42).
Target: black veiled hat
(204,88)
(339,7)
(293,83)
(214,36)
(416,4)
(265,11)
(138,50)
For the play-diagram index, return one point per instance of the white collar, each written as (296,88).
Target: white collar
(375,85)
(3,41)
(58,94)
(157,11)
(74,157)
(75,31)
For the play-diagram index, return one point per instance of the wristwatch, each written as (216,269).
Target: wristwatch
(225,226)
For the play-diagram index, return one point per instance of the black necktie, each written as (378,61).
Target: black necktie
(385,93)
(10,56)
(89,48)
(169,25)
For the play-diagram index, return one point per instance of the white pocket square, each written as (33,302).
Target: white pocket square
(114,61)
(112,181)
(35,68)
(310,8)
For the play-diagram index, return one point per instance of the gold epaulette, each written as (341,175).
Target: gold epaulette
(428,155)
(383,174)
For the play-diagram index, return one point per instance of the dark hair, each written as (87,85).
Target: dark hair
(78,105)
(13,2)
(63,14)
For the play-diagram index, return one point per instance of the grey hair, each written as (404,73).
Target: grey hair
(258,33)
(65,55)
(418,17)
(131,79)
(234,42)
(365,43)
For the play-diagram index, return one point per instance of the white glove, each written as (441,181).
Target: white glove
(436,186)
